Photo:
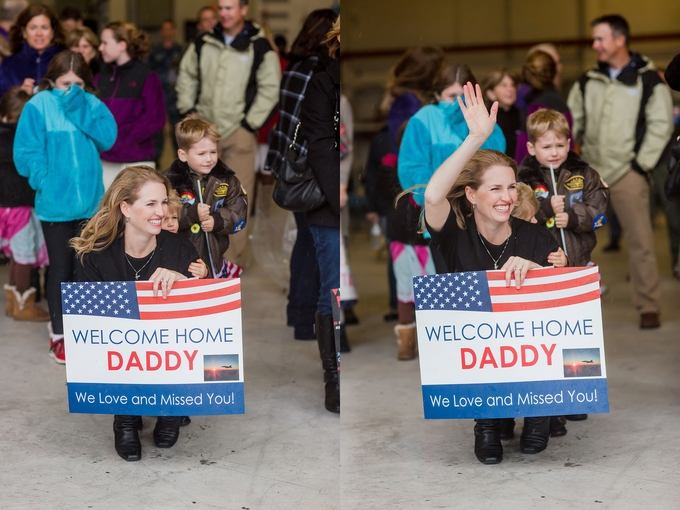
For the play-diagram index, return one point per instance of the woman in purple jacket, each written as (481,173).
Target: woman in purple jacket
(35,38)
(134,95)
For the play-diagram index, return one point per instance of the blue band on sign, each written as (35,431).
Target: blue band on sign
(194,399)
(516,399)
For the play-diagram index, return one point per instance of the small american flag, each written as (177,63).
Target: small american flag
(485,291)
(134,300)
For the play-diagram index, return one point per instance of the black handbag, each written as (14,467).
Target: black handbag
(296,187)
(671,187)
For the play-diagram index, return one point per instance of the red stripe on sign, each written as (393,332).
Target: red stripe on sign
(546,287)
(147,285)
(188,298)
(548,303)
(183,314)
(535,273)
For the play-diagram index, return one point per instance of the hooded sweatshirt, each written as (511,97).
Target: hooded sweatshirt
(431,136)
(57,144)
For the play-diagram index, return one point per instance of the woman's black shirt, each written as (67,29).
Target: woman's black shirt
(463,249)
(172,252)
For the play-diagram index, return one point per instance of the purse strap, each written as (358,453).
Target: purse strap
(292,144)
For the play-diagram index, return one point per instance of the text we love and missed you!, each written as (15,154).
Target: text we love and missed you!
(491,351)
(132,353)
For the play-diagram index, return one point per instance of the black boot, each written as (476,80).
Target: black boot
(185,421)
(488,447)
(166,431)
(535,434)
(557,427)
(329,361)
(507,428)
(126,436)
(576,417)
(344,343)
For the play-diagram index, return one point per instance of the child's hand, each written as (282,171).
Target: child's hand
(28,85)
(558,258)
(561,220)
(198,269)
(203,212)
(557,203)
(208,224)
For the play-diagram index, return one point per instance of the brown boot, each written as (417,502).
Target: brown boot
(408,343)
(25,308)
(11,299)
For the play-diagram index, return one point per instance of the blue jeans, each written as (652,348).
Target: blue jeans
(327,244)
(304,278)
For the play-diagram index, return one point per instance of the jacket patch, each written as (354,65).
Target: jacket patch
(599,221)
(550,223)
(576,198)
(187,198)
(222,189)
(574,183)
(218,204)
(239,225)
(195,228)
(541,191)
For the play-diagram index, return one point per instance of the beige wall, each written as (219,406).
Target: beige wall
(390,25)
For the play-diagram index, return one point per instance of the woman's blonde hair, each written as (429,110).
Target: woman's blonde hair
(109,223)
(138,42)
(527,204)
(331,39)
(471,176)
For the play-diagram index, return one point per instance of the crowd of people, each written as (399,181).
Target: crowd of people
(502,173)
(462,164)
(83,115)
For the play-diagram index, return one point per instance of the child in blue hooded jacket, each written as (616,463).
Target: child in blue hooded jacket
(60,133)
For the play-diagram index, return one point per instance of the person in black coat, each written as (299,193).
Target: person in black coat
(672,73)
(320,128)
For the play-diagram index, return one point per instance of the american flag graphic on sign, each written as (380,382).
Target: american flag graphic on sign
(135,300)
(486,291)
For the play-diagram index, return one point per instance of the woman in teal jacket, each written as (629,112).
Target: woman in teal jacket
(60,133)
(437,130)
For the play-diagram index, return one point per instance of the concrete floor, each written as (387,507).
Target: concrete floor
(288,452)
(282,454)
(394,459)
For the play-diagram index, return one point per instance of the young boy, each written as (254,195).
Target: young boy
(171,223)
(225,205)
(581,201)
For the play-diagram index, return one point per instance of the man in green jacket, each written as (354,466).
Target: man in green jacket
(623,119)
(230,77)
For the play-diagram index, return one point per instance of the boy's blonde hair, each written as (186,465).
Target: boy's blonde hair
(174,205)
(527,204)
(543,120)
(191,131)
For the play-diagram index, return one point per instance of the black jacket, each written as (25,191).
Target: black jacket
(14,191)
(320,128)
(228,202)
(585,200)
